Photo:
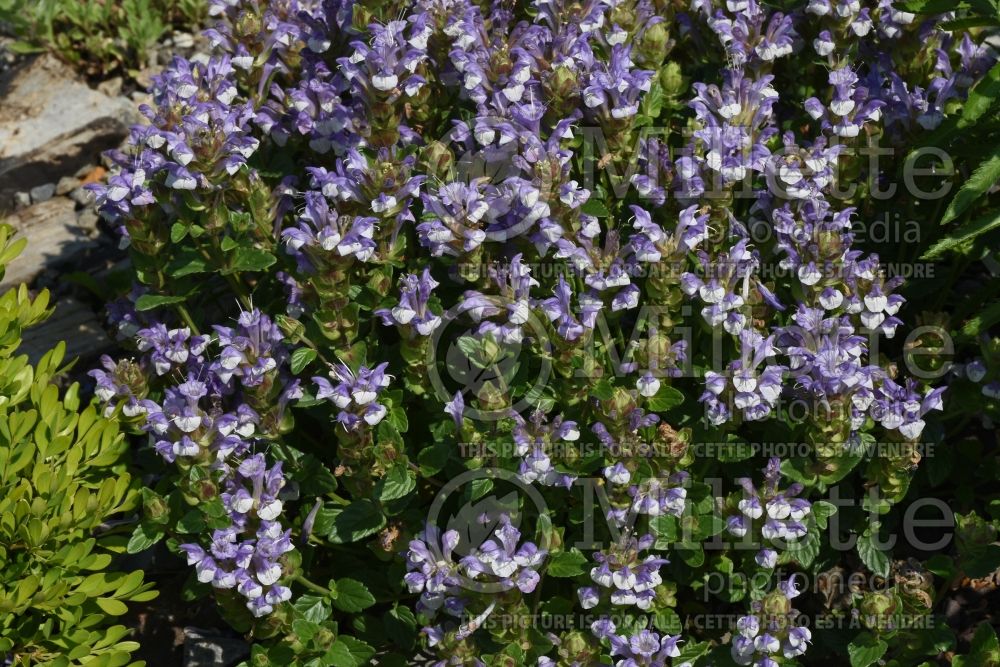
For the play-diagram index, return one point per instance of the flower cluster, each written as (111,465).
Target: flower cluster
(786,514)
(770,630)
(355,395)
(251,565)
(631,579)
(376,173)
(207,421)
(645,648)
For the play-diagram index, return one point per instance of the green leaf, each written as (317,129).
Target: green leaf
(982,98)
(112,606)
(930,6)
(348,652)
(357,521)
(986,318)
(652,101)
(143,537)
(192,522)
(401,627)
(313,608)
(982,179)
(566,563)
(875,559)
(177,232)
(187,263)
(967,232)
(594,207)
(984,651)
(352,596)
(151,301)
(250,259)
(397,483)
(665,399)
(866,650)
(980,562)
(821,511)
(301,358)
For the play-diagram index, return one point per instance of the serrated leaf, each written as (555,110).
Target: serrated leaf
(665,399)
(357,521)
(352,596)
(594,207)
(398,483)
(984,650)
(566,563)
(250,259)
(866,650)
(301,358)
(967,232)
(313,608)
(874,558)
(348,652)
(143,537)
(986,175)
(151,301)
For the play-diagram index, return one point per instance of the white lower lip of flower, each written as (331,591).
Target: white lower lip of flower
(270,575)
(751,509)
(188,424)
(181,182)
(243,505)
(270,511)
(363,397)
(602,578)
(842,107)
(403,315)
(648,387)
(385,82)
(876,303)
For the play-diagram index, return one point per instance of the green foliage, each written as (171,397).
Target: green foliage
(100,36)
(62,478)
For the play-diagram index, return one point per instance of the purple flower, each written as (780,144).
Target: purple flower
(412,313)
(355,395)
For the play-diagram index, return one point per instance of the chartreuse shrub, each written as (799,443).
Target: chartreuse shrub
(101,37)
(63,476)
(550,332)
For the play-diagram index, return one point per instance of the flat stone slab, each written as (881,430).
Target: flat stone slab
(54,236)
(42,101)
(72,321)
(51,124)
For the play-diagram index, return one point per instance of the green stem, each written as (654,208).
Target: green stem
(186,316)
(315,588)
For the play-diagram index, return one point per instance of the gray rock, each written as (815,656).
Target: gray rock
(206,648)
(74,322)
(52,124)
(54,237)
(21,200)
(183,40)
(82,197)
(40,103)
(85,170)
(66,185)
(88,219)
(112,87)
(43,192)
